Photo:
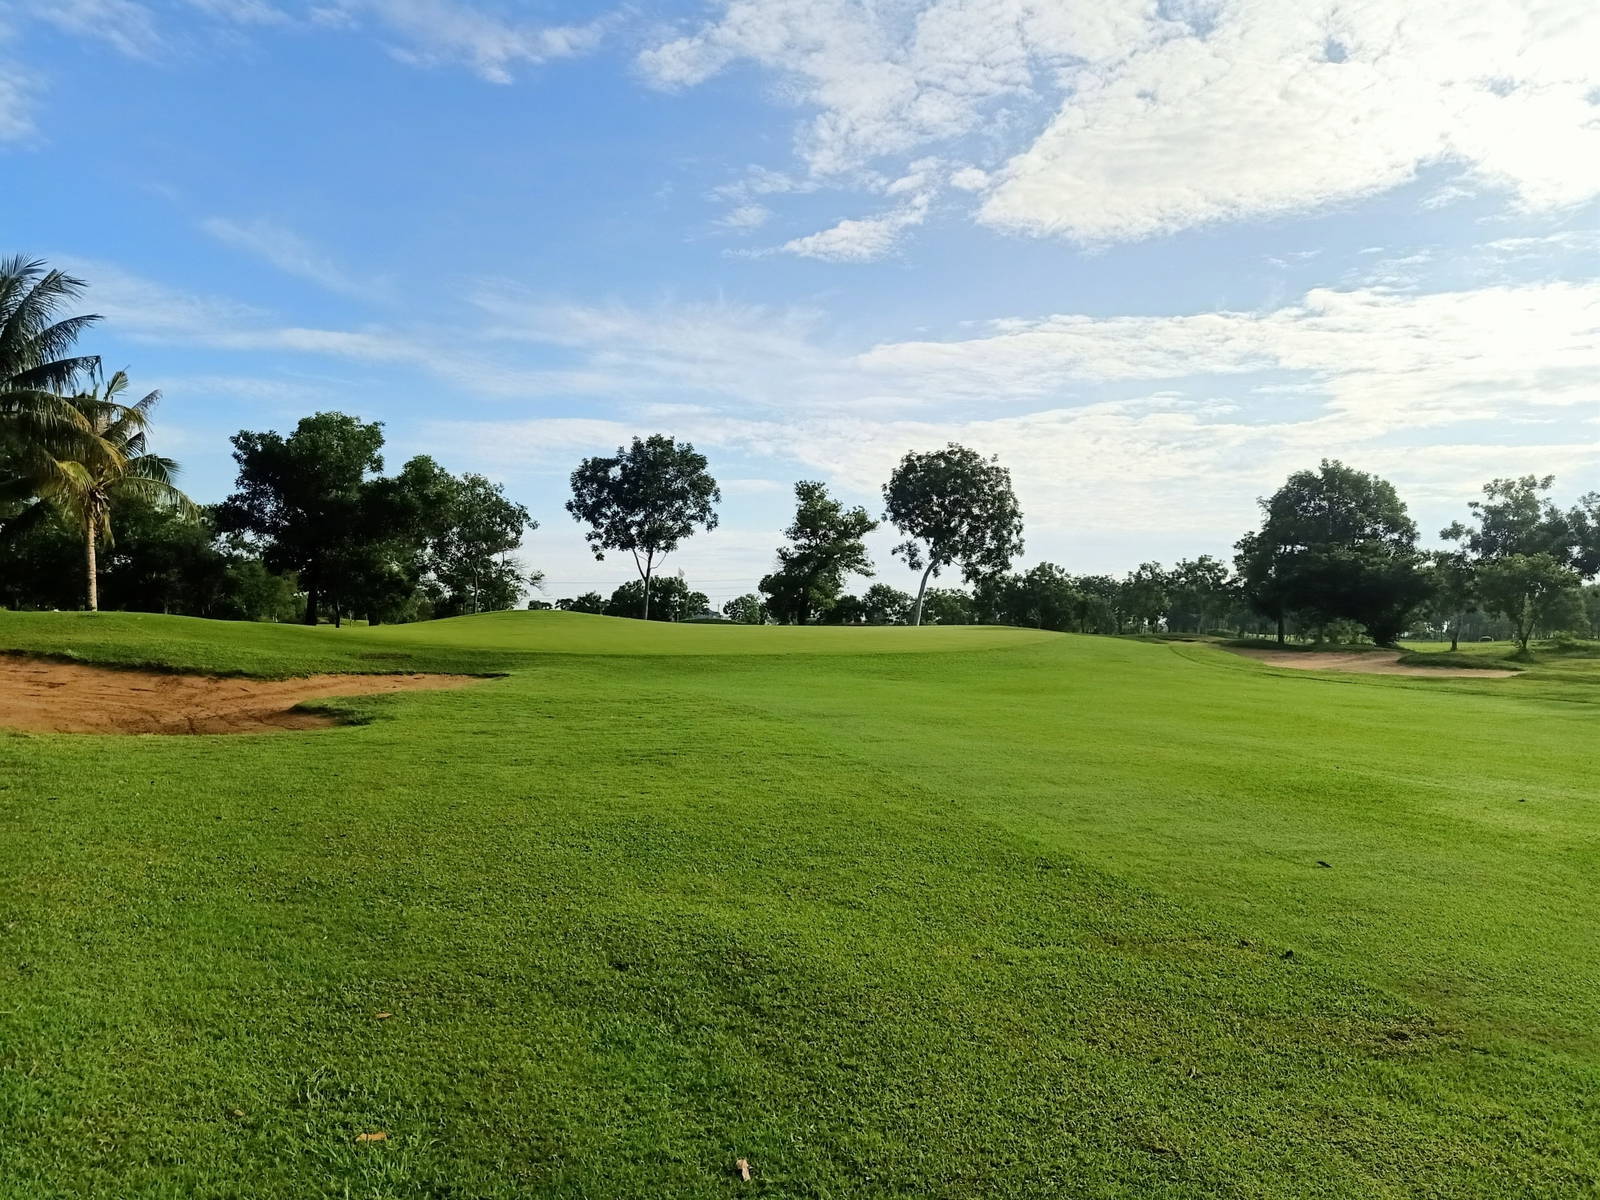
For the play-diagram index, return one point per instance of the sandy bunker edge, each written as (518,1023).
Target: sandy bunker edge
(39,695)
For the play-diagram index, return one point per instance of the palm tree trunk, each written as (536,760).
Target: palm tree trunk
(93,567)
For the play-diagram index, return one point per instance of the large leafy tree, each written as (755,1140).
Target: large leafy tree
(825,546)
(955,508)
(644,500)
(747,609)
(673,600)
(469,561)
(39,427)
(1199,589)
(109,466)
(1453,577)
(1146,594)
(303,497)
(1528,590)
(1516,516)
(1335,544)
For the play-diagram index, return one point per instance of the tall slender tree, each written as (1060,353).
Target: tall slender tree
(111,465)
(645,500)
(955,508)
(39,427)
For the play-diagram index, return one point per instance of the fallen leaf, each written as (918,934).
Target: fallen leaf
(381,1016)
(376,1136)
(744,1169)
(238,1112)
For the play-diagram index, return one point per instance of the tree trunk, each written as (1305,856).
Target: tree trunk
(1455,635)
(92,566)
(1280,629)
(922,590)
(647,593)
(313,589)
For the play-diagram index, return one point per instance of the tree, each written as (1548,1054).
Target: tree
(954,507)
(39,428)
(1454,587)
(746,610)
(673,601)
(645,499)
(1584,520)
(303,498)
(1335,544)
(589,602)
(1098,607)
(1145,594)
(825,546)
(947,606)
(1199,588)
(468,553)
(111,466)
(1527,590)
(885,605)
(1516,516)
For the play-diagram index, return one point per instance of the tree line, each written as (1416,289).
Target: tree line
(314,530)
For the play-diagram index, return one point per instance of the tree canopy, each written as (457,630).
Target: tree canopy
(825,547)
(955,508)
(644,500)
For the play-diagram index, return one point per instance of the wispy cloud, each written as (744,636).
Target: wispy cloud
(292,254)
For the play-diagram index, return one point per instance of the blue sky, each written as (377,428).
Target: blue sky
(1154,255)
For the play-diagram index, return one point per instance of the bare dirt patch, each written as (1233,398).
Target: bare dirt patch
(1361,662)
(53,697)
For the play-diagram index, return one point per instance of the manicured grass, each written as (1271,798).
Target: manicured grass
(886,912)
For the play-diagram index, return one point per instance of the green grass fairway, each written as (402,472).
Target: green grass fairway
(887,912)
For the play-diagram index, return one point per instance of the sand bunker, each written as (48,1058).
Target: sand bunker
(1364,662)
(51,697)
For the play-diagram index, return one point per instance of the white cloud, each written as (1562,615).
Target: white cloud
(290,253)
(858,241)
(746,218)
(1127,119)
(16,104)
(124,25)
(444,32)
(1428,389)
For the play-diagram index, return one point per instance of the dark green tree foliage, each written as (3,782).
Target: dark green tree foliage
(670,600)
(1146,594)
(1200,591)
(1453,589)
(589,602)
(825,546)
(955,508)
(885,605)
(303,498)
(645,500)
(468,561)
(161,562)
(1516,516)
(1335,544)
(1585,522)
(947,606)
(1532,591)
(1099,606)
(747,609)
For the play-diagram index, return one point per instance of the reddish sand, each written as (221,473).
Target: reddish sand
(1365,662)
(50,697)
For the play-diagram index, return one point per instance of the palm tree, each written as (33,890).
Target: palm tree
(108,466)
(36,367)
